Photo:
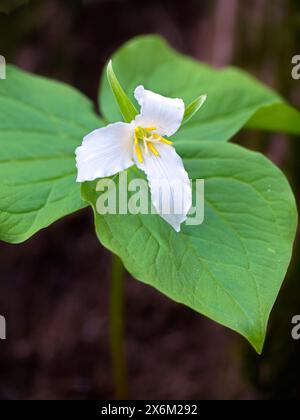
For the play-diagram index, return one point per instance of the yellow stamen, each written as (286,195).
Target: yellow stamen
(139,153)
(152,148)
(150,128)
(166,141)
(135,137)
(156,136)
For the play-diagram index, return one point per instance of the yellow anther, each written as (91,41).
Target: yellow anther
(144,136)
(166,141)
(156,136)
(152,148)
(139,153)
(136,136)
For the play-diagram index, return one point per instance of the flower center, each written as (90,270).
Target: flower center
(144,139)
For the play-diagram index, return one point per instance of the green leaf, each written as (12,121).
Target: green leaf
(126,107)
(193,108)
(281,117)
(41,124)
(233,97)
(232,266)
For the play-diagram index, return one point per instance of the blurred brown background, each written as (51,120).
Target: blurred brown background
(54,288)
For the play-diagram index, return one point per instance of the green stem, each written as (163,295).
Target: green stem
(117,329)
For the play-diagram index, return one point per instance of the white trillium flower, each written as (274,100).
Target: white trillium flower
(112,149)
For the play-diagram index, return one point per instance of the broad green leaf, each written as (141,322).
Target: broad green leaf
(126,107)
(232,266)
(233,96)
(41,124)
(280,117)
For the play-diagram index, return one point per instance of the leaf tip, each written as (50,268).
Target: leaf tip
(194,107)
(109,65)
(125,105)
(109,70)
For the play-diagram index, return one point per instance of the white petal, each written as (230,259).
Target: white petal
(169,184)
(105,152)
(165,114)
